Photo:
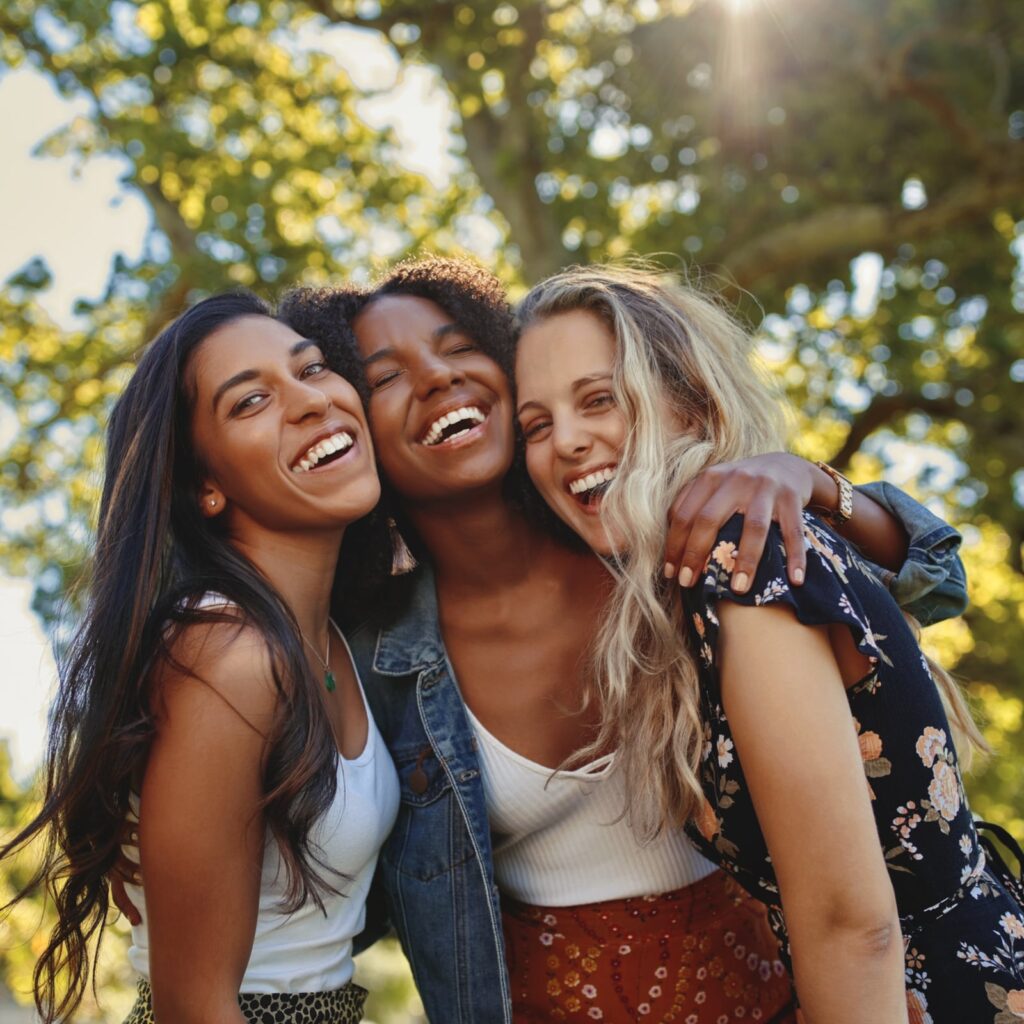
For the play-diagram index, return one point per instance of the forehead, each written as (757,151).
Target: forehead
(394,320)
(560,349)
(243,344)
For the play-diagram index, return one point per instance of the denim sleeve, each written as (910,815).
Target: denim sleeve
(932,584)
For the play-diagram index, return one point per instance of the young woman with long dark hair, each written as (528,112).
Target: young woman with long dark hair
(207,696)
(632,929)
(810,746)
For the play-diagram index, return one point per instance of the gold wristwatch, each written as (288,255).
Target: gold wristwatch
(843,511)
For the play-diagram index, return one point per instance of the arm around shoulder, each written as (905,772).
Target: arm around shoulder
(201,830)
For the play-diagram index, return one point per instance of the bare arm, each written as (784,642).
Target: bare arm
(770,487)
(783,693)
(201,831)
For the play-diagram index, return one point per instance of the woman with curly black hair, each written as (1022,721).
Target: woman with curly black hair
(497,813)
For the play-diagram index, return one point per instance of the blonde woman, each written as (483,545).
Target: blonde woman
(753,713)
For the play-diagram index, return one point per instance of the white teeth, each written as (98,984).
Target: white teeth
(335,443)
(591,480)
(434,434)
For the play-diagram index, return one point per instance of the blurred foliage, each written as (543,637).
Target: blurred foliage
(24,931)
(850,172)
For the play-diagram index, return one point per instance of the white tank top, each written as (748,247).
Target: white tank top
(562,840)
(310,950)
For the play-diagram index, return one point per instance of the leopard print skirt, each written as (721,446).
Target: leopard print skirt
(342,1006)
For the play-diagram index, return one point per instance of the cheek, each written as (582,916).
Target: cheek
(382,425)
(538,466)
(615,430)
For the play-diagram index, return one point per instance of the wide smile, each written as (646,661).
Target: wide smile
(325,452)
(587,489)
(455,428)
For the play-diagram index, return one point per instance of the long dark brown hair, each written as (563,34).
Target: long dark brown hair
(155,557)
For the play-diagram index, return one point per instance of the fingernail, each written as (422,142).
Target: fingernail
(740,582)
(670,570)
(798,575)
(685,576)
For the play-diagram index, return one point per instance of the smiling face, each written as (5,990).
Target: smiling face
(573,428)
(283,440)
(440,409)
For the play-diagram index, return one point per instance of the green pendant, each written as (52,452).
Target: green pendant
(329,682)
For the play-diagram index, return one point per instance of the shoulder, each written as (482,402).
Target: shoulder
(834,591)
(222,669)
(831,564)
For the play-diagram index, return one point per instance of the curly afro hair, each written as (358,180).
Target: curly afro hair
(472,296)
(475,300)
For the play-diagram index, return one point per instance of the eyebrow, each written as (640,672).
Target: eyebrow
(247,375)
(437,334)
(582,382)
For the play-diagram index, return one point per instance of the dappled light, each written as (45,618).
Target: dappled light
(849,175)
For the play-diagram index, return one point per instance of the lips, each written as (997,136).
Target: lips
(589,487)
(325,449)
(453,423)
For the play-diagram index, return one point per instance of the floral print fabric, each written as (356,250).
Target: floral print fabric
(702,955)
(960,908)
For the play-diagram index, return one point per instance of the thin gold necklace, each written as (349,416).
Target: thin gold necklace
(329,682)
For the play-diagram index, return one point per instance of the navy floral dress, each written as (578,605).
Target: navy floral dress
(960,907)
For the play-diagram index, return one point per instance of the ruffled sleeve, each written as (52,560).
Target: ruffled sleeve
(835,579)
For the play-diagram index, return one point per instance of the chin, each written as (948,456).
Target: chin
(594,534)
(598,542)
(365,500)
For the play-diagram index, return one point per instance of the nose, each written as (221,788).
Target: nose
(570,438)
(305,400)
(435,373)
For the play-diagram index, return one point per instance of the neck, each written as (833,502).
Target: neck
(476,541)
(300,566)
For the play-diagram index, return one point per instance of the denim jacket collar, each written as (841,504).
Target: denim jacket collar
(413,642)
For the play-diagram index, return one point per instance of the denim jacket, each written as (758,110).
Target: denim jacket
(435,879)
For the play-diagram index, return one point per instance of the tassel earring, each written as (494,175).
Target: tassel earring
(402,559)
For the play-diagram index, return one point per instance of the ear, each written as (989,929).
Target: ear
(211,499)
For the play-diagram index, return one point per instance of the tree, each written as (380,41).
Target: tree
(852,171)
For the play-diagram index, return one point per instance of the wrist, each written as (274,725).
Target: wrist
(837,506)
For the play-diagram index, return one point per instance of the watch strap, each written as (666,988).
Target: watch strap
(843,511)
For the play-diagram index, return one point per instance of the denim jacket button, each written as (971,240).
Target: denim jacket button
(418,780)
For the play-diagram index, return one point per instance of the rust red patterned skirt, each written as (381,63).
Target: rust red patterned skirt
(703,955)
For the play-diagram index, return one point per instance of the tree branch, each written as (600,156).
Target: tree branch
(847,230)
(882,410)
(505,154)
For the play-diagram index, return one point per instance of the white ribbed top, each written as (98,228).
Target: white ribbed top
(311,950)
(562,840)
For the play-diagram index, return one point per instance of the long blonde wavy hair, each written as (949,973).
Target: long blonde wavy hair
(692,395)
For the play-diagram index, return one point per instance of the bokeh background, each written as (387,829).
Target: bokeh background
(849,172)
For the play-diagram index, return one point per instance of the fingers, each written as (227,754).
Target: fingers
(707,521)
(121,901)
(791,523)
(756,523)
(763,488)
(684,508)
